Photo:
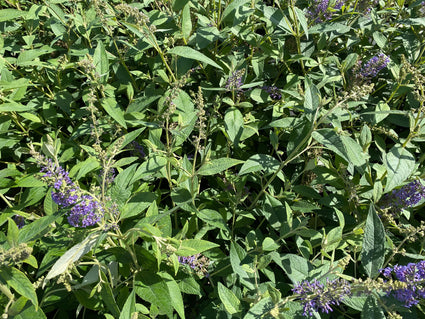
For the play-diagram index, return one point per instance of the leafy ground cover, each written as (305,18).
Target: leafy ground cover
(212,159)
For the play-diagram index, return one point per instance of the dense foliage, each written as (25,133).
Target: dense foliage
(212,159)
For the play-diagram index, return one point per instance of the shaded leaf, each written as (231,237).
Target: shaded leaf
(373,254)
(216,166)
(190,53)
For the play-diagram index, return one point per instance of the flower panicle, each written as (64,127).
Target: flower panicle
(407,196)
(234,82)
(410,285)
(86,211)
(371,68)
(196,262)
(317,296)
(273,92)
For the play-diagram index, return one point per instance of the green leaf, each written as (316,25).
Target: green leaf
(11,14)
(400,165)
(100,60)
(179,4)
(216,166)
(229,300)
(37,228)
(302,20)
(186,22)
(113,109)
(175,293)
(276,17)
(269,244)
(381,111)
(213,218)
(329,27)
(260,162)
(237,254)
(15,107)
(152,288)
(355,302)
(311,97)
(380,39)
(137,204)
(128,138)
(190,53)
(233,121)
(91,277)
(261,308)
(108,297)
(349,61)
(84,167)
(19,282)
(332,239)
(342,145)
(72,255)
(28,312)
(231,8)
(189,247)
(373,253)
(371,309)
(296,268)
(12,232)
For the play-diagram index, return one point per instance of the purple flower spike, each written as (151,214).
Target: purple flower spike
(373,66)
(86,213)
(407,196)
(86,210)
(319,297)
(318,11)
(413,275)
(234,82)
(273,92)
(196,262)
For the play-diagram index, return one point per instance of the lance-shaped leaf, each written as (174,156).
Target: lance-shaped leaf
(72,255)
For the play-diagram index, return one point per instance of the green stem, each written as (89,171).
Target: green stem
(5,200)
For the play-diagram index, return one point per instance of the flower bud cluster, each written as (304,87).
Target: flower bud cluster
(422,8)
(273,91)
(196,262)
(86,210)
(19,220)
(15,254)
(234,82)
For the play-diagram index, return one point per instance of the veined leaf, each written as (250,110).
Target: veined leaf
(373,252)
(18,281)
(217,166)
(229,300)
(72,255)
(190,53)
(400,165)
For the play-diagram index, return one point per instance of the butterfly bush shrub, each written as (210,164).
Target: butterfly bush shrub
(211,159)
